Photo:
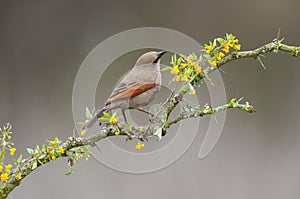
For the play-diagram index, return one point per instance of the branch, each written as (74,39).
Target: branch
(41,156)
(193,111)
(74,147)
(275,46)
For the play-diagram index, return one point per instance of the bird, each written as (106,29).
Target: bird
(137,88)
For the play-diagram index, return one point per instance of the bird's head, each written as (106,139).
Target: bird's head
(150,58)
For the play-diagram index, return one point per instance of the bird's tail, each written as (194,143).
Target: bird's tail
(94,119)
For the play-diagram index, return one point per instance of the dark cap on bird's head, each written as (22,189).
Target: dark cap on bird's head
(150,57)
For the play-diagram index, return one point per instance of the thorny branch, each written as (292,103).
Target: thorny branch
(160,123)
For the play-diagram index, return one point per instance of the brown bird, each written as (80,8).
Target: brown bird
(136,89)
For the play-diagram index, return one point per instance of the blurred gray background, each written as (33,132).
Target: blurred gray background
(42,44)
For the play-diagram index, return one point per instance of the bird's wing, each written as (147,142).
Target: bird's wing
(129,90)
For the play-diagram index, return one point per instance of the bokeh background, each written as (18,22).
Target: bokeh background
(43,43)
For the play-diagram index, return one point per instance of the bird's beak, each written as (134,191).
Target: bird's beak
(160,54)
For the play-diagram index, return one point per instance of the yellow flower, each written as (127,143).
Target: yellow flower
(19,176)
(209,48)
(53,157)
(221,54)
(7,168)
(56,139)
(198,70)
(117,133)
(212,63)
(175,70)
(177,78)
(192,92)
(12,151)
(185,78)
(4,177)
(235,40)
(142,145)
(9,137)
(237,47)
(230,43)
(1,167)
(83,132)
(226,49)
(61,150)
(183,65)
(51,152)
(52,143)
(113,120)
(191,63)
(138,146)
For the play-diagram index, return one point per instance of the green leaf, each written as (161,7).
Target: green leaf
(2,154)
(30,151)
(166,68)
(206,56)
(70,171)
(42,156)
(74,149)
(88,114)
(184,88)
(34,165)
(158,134)
(16,163)
(201,59)
(105,114)
(179,60)
(81,123)
(198,81)
(44,147)
(194,56)
(103,119)
(230,36)
(20,158)
(220,40)
(215,43)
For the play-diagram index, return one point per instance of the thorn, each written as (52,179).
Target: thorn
(281,39)
(241,99)
(278,33)
(261,63)
(262,55)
